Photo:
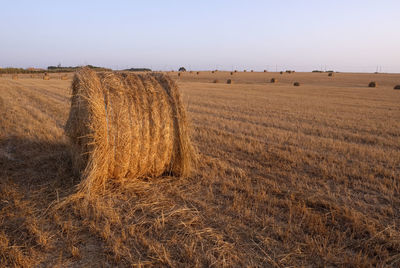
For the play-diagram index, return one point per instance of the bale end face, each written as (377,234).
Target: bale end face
(229,81)
(274,80)
(296,84)
(330,74)
(215,81)
(397,87)
(372,84)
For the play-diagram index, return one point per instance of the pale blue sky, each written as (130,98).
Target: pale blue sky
(302,35)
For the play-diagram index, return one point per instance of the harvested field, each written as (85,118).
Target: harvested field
(287,176)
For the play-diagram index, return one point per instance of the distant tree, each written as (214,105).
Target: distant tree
(138,70)
(182,69)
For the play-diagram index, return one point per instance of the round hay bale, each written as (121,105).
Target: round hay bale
(179,74)
(124,126)
(212,72)
(64,77)
(229,81)
(265,71)
(252,71)
(215,81)
(397,87)
(330,74)
(235,71)
(274,80)
(231,73)
(32,76)
(15,76)
(296,84)
(372,84)
(244,71)
(281,72)
(197,73)
(46,77)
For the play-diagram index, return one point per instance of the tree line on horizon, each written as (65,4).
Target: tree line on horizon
(62,69)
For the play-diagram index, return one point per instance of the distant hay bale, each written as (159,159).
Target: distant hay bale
(281,72)
(179,74)
(231,73)
(274,80)
(64,77)
(124,126)
(244,71)
(296,84)
(212,72)
(235,71)
(15,76)
(229,81)
(197,73)
(252,71)
(372,84)
(265,71)
(32,76)
(397,87)
(46,77)
(330,74)
(215,81)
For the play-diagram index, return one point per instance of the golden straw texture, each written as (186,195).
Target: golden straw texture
(125,126)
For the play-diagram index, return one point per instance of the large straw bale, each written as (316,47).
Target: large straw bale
(124,126)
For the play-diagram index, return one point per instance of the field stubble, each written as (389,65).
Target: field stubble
(287,176)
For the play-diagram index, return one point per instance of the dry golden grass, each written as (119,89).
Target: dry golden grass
(287,176)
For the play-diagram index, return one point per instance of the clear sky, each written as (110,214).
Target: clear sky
(303,35)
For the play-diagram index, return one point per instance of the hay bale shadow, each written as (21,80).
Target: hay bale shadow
(36,164)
